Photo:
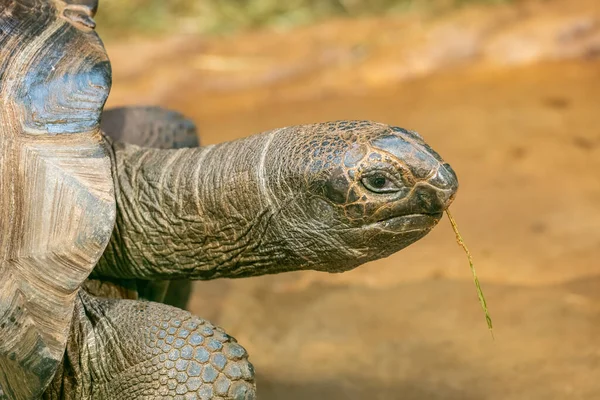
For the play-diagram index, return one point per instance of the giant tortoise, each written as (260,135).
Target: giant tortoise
(93,229)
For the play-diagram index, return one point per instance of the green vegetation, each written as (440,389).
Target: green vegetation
(480,295)
(117,17)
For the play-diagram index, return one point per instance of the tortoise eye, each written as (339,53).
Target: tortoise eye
(379,182)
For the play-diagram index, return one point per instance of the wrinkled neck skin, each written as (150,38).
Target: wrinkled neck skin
(198,213)
(290,199)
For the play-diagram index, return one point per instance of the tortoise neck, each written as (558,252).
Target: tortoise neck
(194,213)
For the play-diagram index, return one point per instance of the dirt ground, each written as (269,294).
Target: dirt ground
(511,98)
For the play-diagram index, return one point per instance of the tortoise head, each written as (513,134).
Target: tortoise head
(358,191)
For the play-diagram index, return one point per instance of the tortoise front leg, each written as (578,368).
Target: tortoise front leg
(127,349)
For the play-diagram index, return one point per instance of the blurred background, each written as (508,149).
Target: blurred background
(507,91)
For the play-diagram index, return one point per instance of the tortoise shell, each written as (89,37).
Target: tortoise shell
(57,206)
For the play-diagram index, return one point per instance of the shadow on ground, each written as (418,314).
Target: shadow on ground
(421,340)
(358,389)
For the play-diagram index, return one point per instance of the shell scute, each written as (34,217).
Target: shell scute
(57,206)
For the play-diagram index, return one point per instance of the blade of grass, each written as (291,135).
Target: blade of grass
(482,301)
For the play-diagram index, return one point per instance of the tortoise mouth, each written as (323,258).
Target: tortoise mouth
(408,222)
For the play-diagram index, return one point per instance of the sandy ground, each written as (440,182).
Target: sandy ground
(522,134)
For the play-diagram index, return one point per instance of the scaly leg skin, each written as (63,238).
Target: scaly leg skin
(127,349)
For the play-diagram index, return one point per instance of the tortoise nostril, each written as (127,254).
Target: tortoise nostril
(424,200)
